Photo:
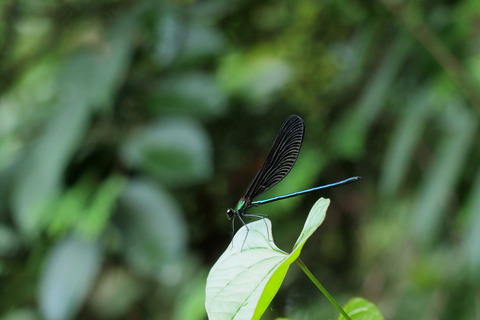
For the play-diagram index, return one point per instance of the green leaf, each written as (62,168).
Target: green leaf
(67,277)
(79,95)
(108,64)
(100,207)
(84,207)
(361,309)
(440,179)
(244,280)
(256,77)
(63,213)
(181,41)
(10,242)
(472,230)
(192,93)
(401,149)
(153,228)
(40,174)
(176,150)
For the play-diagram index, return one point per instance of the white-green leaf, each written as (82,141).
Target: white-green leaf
(243,282)
(361,309)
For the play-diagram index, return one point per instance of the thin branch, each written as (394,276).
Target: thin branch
(441,53)
(9,18)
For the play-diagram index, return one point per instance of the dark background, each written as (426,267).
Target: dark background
(127,128)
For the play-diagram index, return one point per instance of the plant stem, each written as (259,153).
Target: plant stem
(321,288)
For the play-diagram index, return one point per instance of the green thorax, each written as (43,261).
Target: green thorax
(240,205)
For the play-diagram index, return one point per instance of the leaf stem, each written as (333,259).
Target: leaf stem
(321,288)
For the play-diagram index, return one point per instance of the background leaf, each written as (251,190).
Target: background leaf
(68,275)
(175,150)
(154,231)
(256,77)
(191,93)
(361,309)
(78,95)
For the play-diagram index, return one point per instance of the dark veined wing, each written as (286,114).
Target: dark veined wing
(281,158)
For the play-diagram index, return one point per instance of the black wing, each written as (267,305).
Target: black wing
(281,158)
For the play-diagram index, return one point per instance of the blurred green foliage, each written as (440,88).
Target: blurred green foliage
(128,127)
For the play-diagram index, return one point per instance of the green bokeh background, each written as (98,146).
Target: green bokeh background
(127,128)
